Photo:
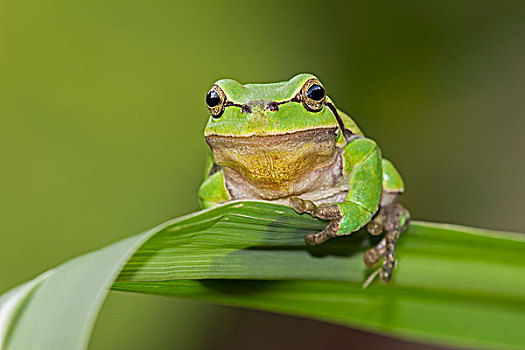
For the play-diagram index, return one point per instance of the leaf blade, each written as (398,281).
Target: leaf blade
(447,264)
(453,286)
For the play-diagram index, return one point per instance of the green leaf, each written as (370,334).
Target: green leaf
(453,285)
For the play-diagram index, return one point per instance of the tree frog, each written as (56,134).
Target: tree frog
(287,143)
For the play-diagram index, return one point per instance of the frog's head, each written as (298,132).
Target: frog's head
(270,109)
(275,134)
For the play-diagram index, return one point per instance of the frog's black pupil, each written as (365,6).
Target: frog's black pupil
(213,98)
(316,92)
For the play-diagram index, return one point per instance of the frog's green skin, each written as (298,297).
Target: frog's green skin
(267,143)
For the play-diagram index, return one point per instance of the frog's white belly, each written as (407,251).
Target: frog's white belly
(306,163)
(324,184)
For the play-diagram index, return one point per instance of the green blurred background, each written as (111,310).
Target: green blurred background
(102,111)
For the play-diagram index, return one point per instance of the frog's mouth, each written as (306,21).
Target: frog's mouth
(271,161)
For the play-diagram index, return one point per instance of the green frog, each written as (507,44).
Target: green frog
(287,143)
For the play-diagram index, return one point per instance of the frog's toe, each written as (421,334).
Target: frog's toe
(297,204)
(328,212)
(385,274)
(389,262)
(303,206)
(321,237)
(374,255)
(311,239)
(374,228)
(371,258)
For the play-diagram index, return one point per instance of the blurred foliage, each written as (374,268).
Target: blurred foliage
(101,109)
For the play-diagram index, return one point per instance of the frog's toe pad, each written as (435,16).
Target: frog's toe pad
(371,258)
(297,204)
(375,228)
(311,239)
(385,275)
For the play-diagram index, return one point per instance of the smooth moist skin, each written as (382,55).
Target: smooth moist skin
(287,143)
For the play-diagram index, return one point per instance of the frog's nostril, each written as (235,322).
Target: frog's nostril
(272,106)
(246,109)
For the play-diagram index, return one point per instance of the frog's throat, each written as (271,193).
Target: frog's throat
(276,165)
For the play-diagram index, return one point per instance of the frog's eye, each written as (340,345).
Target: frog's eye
(215,101)
(316,92)
(313,94)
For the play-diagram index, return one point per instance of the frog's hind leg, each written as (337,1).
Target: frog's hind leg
(396,223)
(394,219)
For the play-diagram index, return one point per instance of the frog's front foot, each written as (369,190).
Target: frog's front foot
(322,211)
(325,212)
(321,237)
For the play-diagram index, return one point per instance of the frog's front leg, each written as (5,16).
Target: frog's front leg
(362,163)
(213,189)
